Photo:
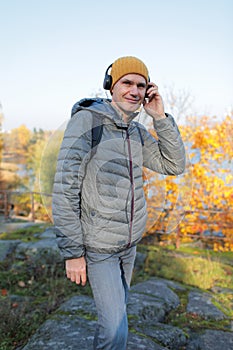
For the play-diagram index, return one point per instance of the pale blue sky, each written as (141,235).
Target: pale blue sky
(55,52)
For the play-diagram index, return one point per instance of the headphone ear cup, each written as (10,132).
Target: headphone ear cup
(107,79)
(107,82)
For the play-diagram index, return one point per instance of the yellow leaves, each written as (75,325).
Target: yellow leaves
(213,139)
(19,139)
(229,179)
(206,190)
(199,170)
(170,185)
(219,247)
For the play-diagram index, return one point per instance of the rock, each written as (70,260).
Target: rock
(73,324)
(212,340)
(137,342)
(79,304)
(173,285)
(50,232)
(169,336)
(63,332)
(220,290)
(6,248)
(145,308)
(201,305)
(45,251)
(75,333)
(158,289)
(69,331)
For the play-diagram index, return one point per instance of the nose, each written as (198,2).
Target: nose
(134,90)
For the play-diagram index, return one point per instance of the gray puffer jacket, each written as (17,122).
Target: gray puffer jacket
(98,200)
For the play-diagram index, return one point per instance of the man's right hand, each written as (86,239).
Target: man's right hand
(76,270)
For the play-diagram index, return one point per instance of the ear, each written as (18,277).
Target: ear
(111,91)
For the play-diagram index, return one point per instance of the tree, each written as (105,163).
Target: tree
(177,102)
(1,144)
(1,137)
(20,138)
(48,167)
(205,192)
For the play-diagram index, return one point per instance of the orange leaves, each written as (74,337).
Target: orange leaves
(219,246)
(200,140)
(4,292)
(205,191)
(213,178)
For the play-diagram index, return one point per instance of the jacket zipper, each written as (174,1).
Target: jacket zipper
(132,189)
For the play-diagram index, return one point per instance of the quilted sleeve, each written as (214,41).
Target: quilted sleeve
(73,156)
(167,154)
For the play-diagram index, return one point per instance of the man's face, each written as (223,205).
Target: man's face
(128,93)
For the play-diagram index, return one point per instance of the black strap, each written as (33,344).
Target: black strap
(97,131)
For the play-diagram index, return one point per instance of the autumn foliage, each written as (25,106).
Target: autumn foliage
(199,203)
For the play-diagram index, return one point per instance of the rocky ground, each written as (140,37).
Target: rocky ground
(72,326)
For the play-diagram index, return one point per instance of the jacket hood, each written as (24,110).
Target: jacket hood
(102,106)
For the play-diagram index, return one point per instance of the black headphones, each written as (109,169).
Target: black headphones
(107,79)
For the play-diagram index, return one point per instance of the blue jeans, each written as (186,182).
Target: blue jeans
(109,276)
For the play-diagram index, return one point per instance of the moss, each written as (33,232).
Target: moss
(224,303)
(27,234)
(180,318)
(81,313)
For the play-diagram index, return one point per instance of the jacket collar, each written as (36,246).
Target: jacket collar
(104,107)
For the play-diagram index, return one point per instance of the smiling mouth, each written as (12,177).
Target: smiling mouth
(132,101)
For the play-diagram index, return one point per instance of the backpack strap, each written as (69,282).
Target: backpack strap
(97,131)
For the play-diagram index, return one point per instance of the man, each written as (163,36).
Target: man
(99,205)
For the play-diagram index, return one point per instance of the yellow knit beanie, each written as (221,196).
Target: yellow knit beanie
(128,65)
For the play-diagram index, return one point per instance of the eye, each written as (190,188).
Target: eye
(141,86)
(126,82)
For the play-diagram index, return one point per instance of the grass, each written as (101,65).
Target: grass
(204,271)
(31,292)
(205,253)
(18,322)
(39,290)
(27,234)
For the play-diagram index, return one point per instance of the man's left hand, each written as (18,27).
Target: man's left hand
(153,105)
